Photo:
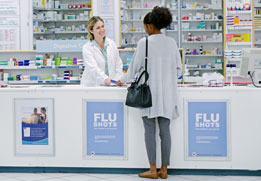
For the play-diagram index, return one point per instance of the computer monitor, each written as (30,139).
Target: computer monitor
(250,65)
(251,60)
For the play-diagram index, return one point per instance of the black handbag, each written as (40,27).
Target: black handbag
(139,96)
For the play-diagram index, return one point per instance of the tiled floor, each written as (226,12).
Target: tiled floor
(113,177)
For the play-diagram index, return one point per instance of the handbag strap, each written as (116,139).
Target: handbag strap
(146,54)
(146,62)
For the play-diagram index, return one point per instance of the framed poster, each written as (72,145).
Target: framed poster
(10,25)
(105,7)
(34,127)
(207,135)
(104,129)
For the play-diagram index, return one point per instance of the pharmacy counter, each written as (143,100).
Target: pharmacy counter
(218,128)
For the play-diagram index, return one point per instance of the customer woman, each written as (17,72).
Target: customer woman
(101,56)
(164,66)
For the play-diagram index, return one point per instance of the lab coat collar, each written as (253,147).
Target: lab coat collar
(106,44)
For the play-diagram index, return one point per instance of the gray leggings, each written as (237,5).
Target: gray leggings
(150,131)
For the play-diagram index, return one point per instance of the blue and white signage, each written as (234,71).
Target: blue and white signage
(59,45)
(105,129)
(34,126)
(34,134)
(207,129)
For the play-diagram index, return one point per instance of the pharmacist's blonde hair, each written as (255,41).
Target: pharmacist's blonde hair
(91,24)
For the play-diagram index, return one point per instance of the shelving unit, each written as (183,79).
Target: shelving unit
(61,21)
(202,35)
(173,29)
(187,19)
(257,23)
(239,34)
(32,73)
(131,20)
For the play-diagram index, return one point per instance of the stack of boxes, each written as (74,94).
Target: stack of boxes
(67,74)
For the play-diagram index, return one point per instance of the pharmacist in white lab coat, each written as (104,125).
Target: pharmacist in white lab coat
(101,56)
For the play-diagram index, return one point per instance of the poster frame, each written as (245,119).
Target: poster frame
(84,131)
(228,123)
(52,132)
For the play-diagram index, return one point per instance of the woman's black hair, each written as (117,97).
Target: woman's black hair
(160,17)
(43,109)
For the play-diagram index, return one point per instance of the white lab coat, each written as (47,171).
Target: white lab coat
(164,66)
(94,72)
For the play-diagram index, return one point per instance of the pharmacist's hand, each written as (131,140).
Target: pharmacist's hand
(119,83)
(107,81)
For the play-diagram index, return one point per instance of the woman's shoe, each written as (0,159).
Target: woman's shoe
(163,175)
(149,174)
(163,172)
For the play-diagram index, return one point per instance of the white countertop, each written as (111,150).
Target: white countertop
(31,88)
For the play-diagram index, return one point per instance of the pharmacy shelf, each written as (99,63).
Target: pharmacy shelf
(204,69)
(204,55)
(134,32)
(200,42)
(257,16)
(130,44)
(240,43)
(75,20)
(239,12)
(39,67)
(41,82)
(236,28)
(257,29)
(61,32)
(201,9)
(147,9)
(43,33)
(210,20)
(17,67)
(171,30)
(60,67)
(127,50)
(59,81)
(53,9)
(70,32)
(22,82)
(195,30)
(54,21)
(17,51)
(233,59)
(131,20)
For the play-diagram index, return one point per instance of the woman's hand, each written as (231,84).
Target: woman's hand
(107,81)
(119,83)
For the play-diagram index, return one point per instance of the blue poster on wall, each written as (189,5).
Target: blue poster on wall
(207,129)
(35,134)
(105,128)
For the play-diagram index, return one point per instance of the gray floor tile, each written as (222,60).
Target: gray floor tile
(29,176)
(80,177)
(243,178)
(114,177)
(9,179)
(55,179)
(103,176)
